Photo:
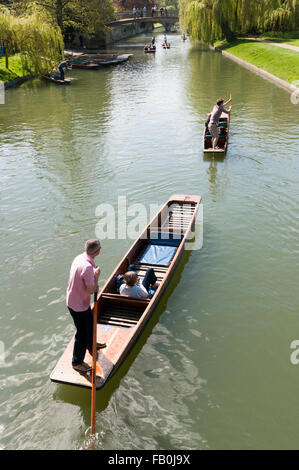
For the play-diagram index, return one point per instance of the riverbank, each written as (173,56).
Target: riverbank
(281,66)
(14,75)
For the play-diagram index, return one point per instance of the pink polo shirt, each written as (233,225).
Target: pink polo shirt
(81,275)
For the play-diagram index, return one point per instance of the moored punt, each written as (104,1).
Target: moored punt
(166,45)
(121,318)
(102,59)
(84,64)
(113,61)
(223,126)
(66,81)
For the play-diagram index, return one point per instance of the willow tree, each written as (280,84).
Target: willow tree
(34,37)
(7,33)
(209,20)
(87,17)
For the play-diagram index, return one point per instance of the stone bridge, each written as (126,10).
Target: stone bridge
(124,18)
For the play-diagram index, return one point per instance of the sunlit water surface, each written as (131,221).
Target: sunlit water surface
(212,370)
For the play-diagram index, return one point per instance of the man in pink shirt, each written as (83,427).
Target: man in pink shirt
(83,282)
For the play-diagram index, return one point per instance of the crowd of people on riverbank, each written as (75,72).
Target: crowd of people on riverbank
(142,12)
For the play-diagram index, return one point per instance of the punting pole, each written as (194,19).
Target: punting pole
(94,371)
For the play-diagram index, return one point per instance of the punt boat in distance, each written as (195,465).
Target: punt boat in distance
(149,48)
(223,127)
(121,319)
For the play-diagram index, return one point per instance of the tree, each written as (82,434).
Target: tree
(87,17)
(209,20)
(33,36)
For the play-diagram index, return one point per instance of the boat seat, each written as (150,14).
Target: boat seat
(221,136)
(166,238)
(157,255)
(222,124)
(125,298)
(161,248)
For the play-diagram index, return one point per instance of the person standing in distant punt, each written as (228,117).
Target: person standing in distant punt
(83,281)
(218,109)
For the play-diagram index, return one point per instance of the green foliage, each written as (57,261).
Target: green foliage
(86,17)
(33,36)
(15,68)
(211,20)
(280,62)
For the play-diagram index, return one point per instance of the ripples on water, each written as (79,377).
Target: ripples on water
(212,369)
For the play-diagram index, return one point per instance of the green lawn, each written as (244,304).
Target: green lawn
(282,63)
(286,38)
(14,71)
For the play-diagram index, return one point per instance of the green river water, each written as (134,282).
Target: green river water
(213,368)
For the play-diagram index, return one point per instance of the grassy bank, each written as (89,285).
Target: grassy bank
(291,38)
(15,69)
(282,63)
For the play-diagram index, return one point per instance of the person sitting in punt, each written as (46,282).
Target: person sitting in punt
(132,286)
(218,109)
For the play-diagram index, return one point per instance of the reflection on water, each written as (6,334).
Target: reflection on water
(204,374)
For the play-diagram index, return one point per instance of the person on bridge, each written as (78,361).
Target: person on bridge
(144,12)
(218,109)
(134,12)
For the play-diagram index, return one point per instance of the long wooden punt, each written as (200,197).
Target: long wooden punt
(105,59)
(149,48)
(85,65)
(66,81)
(121,319)
(224,123)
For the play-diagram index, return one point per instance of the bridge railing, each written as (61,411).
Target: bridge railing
(121,15)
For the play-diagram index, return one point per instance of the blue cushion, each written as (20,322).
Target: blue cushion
(166,238)
(159,255)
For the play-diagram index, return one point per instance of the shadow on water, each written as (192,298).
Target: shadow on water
(81,397)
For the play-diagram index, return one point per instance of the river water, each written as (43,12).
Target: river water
(213,368)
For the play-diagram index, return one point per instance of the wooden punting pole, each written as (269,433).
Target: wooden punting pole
(94,370)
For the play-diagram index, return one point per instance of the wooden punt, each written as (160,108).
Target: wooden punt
(66,81)
(224,123)
(149,49)
(121,319)
(116,60)
(85,65)
(105,59)
(166,45)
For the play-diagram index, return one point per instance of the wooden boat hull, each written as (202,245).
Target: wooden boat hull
(149,49)
(84,65)
(223,139)
(66,81)
(100,59)
(166,46)
(122,319)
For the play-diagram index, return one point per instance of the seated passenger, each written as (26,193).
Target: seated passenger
(132,286)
